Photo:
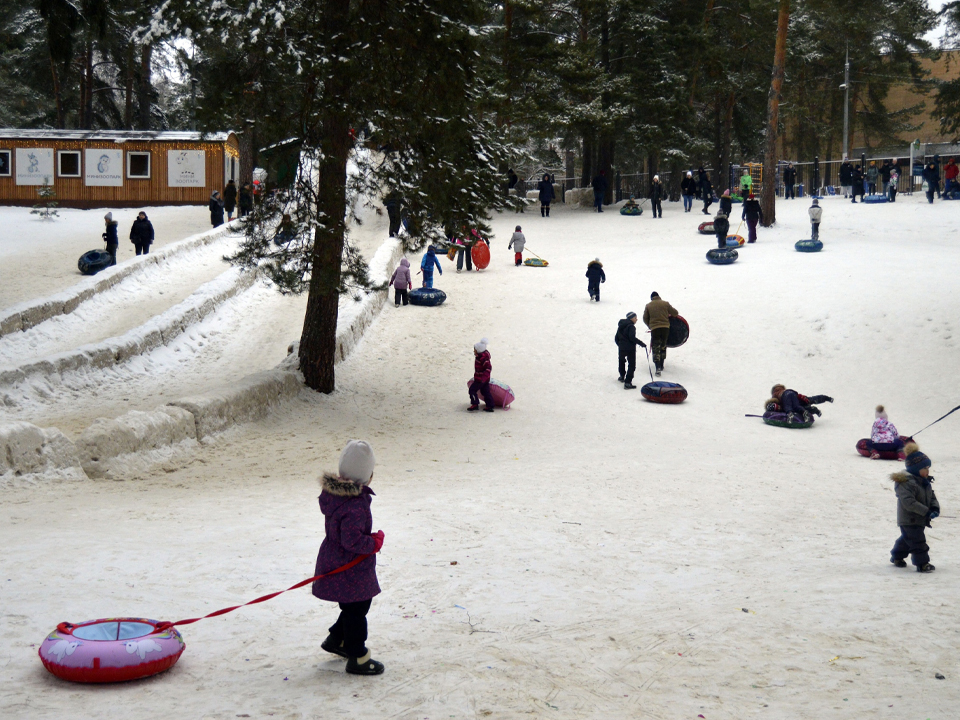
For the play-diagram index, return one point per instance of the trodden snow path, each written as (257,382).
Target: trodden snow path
(614,558)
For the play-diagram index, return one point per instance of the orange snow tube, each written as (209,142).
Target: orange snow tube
(481,255)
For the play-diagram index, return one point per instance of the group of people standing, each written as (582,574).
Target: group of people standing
(232,200)
(141,235)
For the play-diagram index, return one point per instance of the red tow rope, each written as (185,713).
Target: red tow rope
(166,625)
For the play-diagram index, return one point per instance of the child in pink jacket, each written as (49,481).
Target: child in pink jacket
(402,282)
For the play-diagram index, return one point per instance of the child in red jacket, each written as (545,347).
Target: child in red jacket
(481,378)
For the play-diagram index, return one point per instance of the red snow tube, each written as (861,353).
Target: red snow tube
(863,448)
(110,650)
(666,393)
(481,255)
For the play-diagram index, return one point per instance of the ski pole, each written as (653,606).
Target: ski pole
(649,370)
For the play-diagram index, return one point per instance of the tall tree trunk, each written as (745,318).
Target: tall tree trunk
(587,171)
(57,95)
(128,104)
(143,91)
(88,99)
(318,343)
(726,135)
(768,197)
(606,164)
(247,159)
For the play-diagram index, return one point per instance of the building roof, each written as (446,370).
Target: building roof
(114,135)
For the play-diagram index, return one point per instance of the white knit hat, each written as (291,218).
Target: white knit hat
(656,177)
(108,217)
(881,413)
(481,346)
(357,462)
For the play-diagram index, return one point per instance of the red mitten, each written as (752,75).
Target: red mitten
(377,540)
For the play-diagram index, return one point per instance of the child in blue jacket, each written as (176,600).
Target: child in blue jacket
(427,265)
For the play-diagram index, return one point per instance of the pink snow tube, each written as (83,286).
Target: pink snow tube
(110,650)
(501,393)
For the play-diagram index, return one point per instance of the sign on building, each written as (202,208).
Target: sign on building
(34,166)
(103,168)
(186,168)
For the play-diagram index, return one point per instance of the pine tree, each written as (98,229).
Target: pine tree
(47,207)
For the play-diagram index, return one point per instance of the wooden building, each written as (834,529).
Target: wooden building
(115,168)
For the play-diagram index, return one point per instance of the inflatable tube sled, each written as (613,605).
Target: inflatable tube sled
(500,392)
(952,195)
(93,261)
(874,199)
(631,210)
(722,257)
(808,246)
(863,447)
(430,297)
(480,254)
(706,228)
(779,419)
(110,650)
(665,393)
(535,262)
(735,241)
(679,332)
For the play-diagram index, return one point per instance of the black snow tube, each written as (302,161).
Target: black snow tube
(93,261)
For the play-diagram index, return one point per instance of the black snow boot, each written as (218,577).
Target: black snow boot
(332,646)
(629,386)
(813,409)
(488,408)
(898,563)
(620,379)
(925,568)
(548,211)
(364,666)
(543,212)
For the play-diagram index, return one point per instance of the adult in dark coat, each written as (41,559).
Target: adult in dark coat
(656,196)
(141,234)
(393,205)
(599,185)
(595,276)
(216,209)
(245,199)
(789,180)
(701,174)
(706,190)
(511,179)
(110,237)
(546,195)
(753,214)
(626,339)
(846,177)
(230,198)
(688,188)
(932,177)
(857,183)
(345,503)
(885,171)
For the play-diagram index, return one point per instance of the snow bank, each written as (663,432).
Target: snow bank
(110,447)
(27,450)
(30,313)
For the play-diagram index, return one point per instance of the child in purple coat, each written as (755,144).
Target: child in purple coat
(401,282)
(345,503)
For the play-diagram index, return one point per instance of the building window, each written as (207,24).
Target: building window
(138,165)
(68,163)
(5,170)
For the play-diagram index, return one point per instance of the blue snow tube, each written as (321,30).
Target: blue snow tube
(722,257)
(665,393)
(93,261)
(430,297)
(874,199)
(809,246)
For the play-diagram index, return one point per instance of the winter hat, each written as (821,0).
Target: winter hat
(816,202)
(750,197)
(596,260)
(431,249)
(656,178)
(357,462)
(518,229)
(726,193)
(481,346)
(881,413)
(108,217)
(654,294)
(631,315)
(916,460)
(689,173)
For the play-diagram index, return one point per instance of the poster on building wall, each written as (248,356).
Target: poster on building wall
(186,168)
(103,168)
(34,166)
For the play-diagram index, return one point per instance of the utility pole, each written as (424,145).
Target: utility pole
(846,104)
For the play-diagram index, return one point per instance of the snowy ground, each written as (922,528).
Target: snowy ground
(614,558)
(39,257)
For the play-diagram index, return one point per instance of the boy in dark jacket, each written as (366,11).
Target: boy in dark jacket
(753,214)
(656,196)
(345,503)
(794,404)
(482,367)
(110,237)
(141,234)
(721,226)
(595,276)
(626,339)
(917,505)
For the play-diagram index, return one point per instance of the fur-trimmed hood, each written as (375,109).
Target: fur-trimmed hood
(341,487)
(597,263)
(903,476)
(773,405)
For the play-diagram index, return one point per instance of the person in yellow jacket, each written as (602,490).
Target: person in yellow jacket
(656,316)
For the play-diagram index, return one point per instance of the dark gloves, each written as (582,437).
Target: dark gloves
(934,514)
(377,540)
(641,343)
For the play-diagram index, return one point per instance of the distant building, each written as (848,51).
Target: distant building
(115,168)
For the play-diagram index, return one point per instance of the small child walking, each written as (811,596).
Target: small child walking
(401,282)
(345,503)
(917,505)
(595,276)
(517,241)
(721,226)
(816,212)
(481,378)
(427,264)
